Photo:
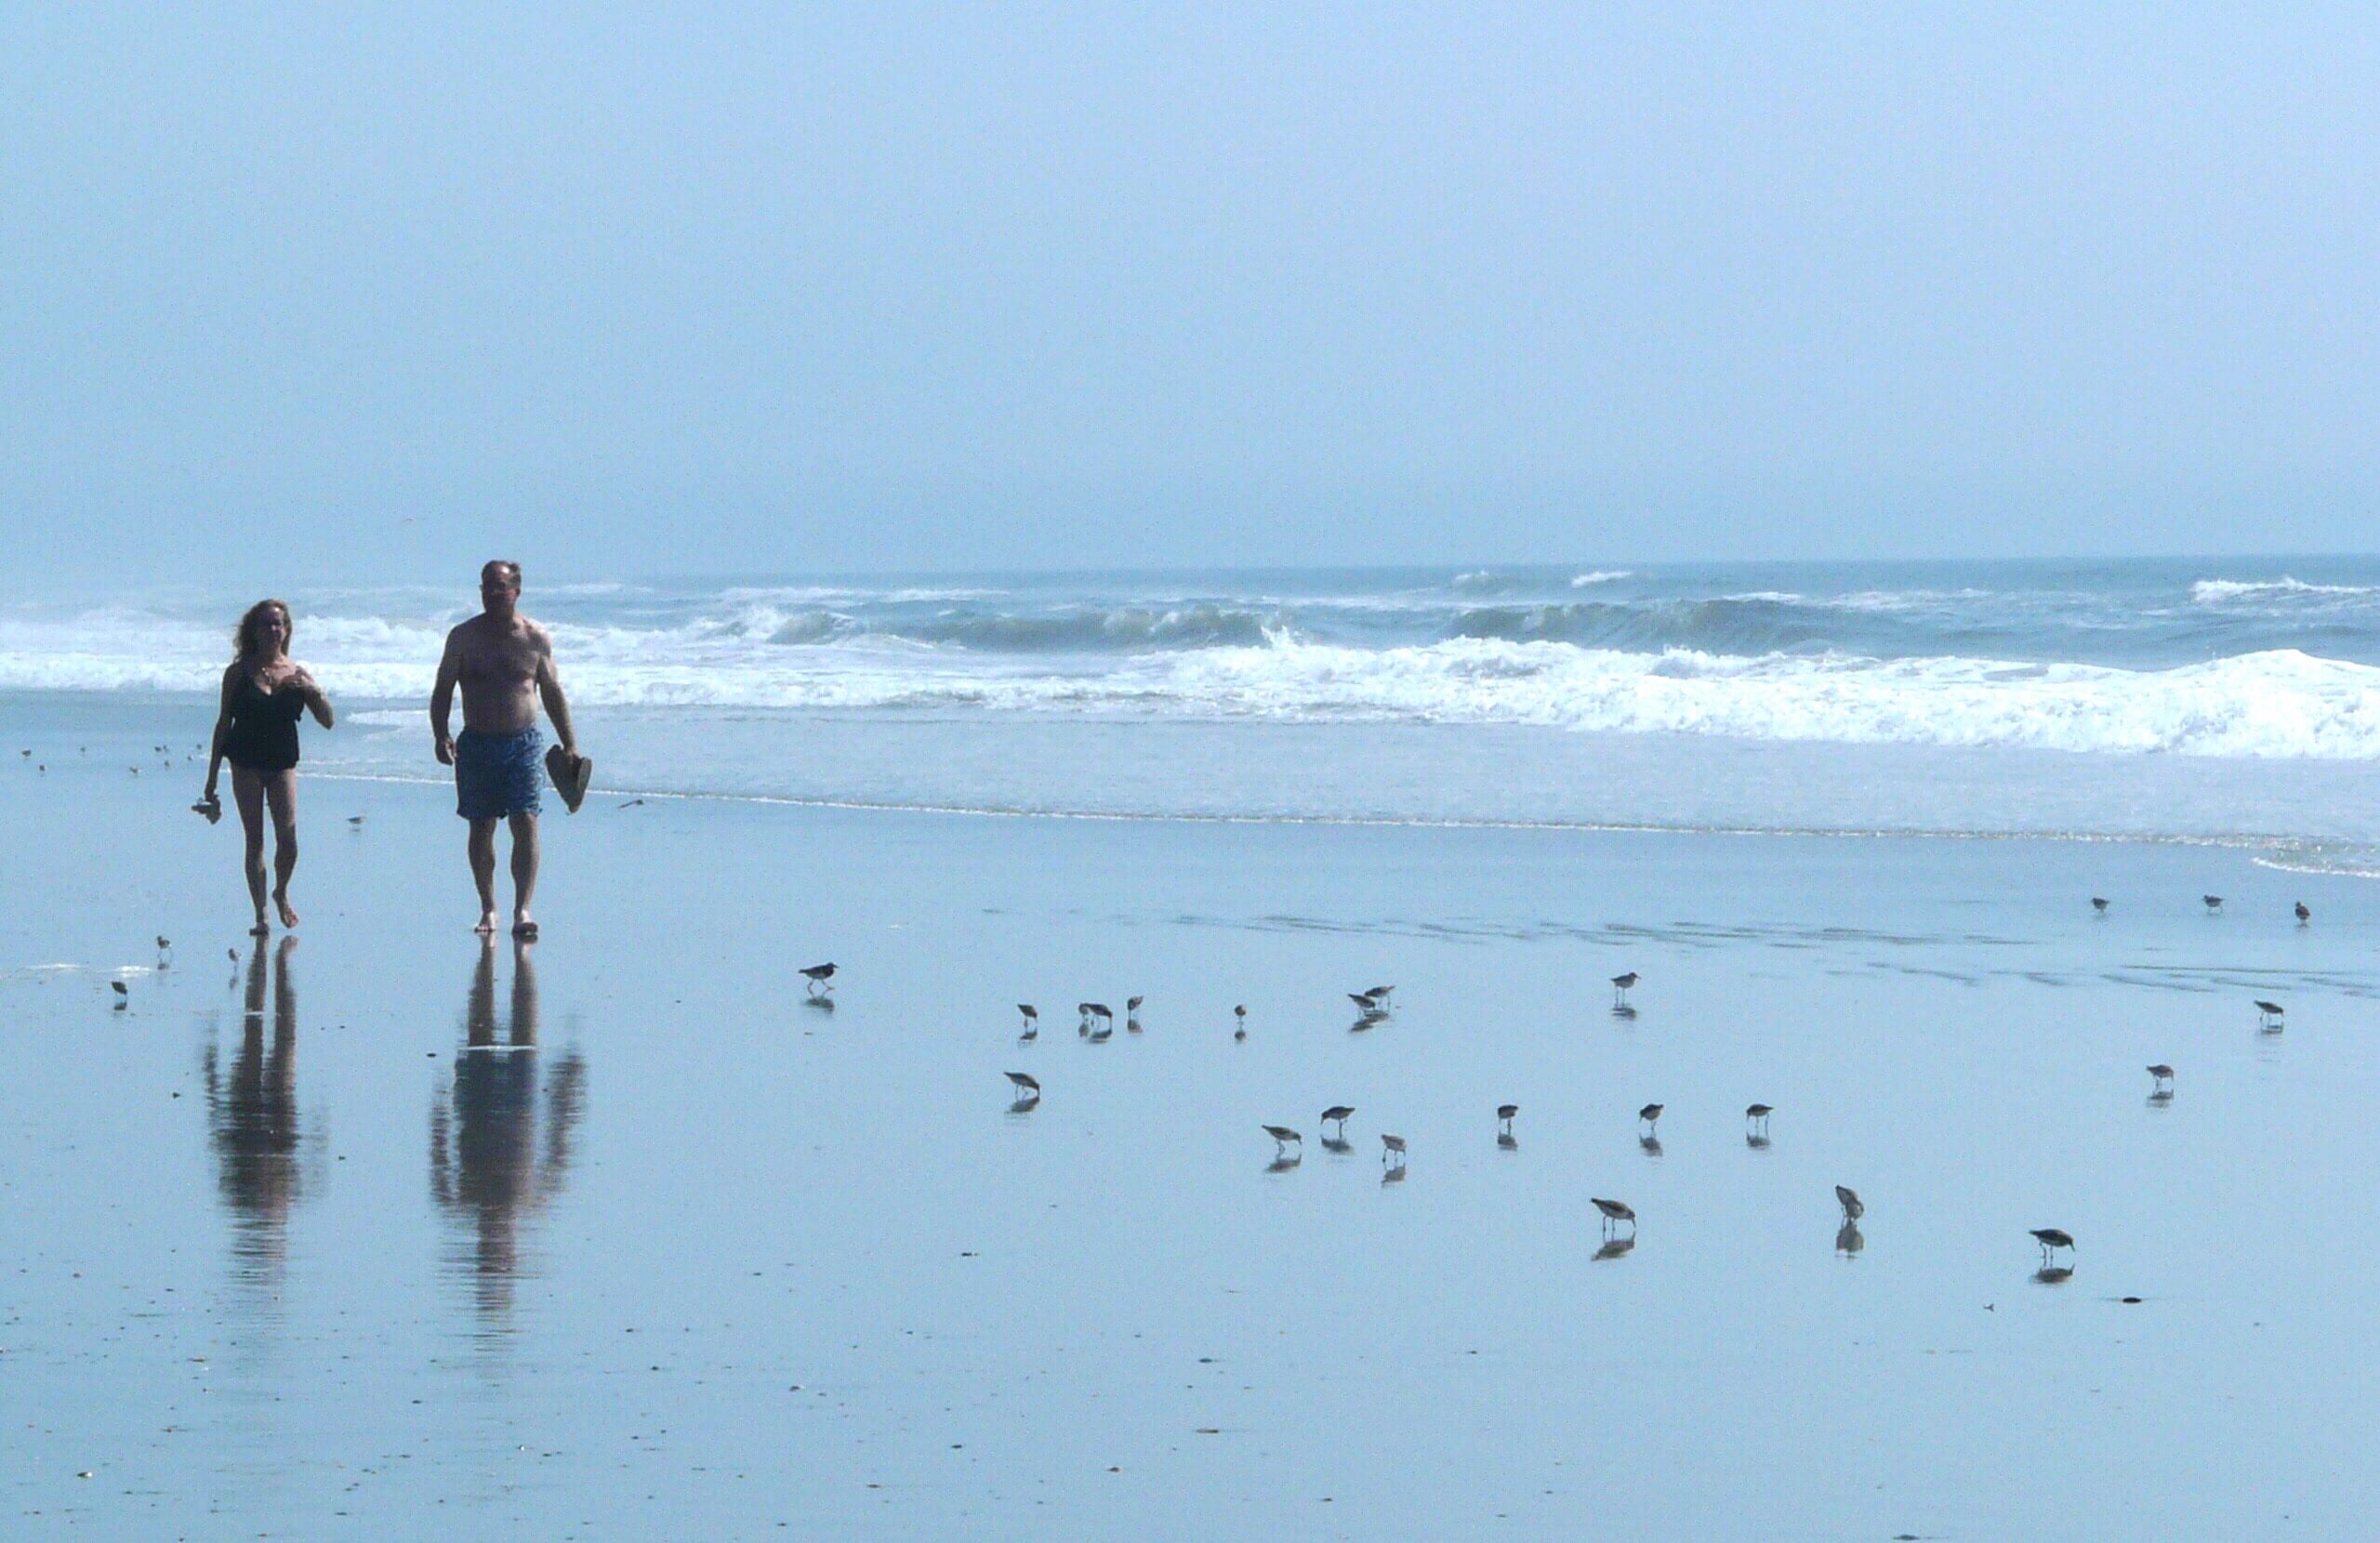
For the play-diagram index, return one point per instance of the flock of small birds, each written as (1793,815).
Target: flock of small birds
(1096,1021)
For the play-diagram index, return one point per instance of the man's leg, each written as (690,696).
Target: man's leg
(483,871)
(524,872)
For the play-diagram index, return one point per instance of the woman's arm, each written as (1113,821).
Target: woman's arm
(312,694)
(222,733)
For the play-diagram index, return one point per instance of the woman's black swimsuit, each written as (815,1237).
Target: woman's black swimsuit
(264,727)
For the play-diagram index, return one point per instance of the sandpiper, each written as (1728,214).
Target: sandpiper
(2163,1075)
(2214,902)
(820,976)
(120,989)
(1025,1084)
(1366,1005)
(1132,1006)
(1614,1211)
(1240,1015)
(2304,915)
(1757,1113)
(2052,1238)
(2100,904)
(1282,1135)
(1032,1018)
(1392,1150)
(1105,1013)
(1651,1114)
(1852,1209)
(1621,986)
(1337,1114)
(1504,1113)
(1381,995)
(2268,1013)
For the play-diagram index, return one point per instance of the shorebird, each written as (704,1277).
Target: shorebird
(1282,1135)
(2100,904)
(1025,1084)
(1239,1014)
(120,988)
(1132,1006)
(1651,1114)
(2304,915)
(1758,1113)
(1337,1114)
(2214,902)
(164,944)
(1852,1209)
(1614,1211)
(1381,995)
(1621,986)
(232,954)
(2268,1013)
(2051,1238)
(356,819)
(820,976)
(1392,1150)
(1032,1018)
(2162,1073)
(1105,1013)
(1504,1113)
(1366,1005)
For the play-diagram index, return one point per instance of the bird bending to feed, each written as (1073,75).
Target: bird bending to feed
(2100,904)
(1025,1084)
(1102,1011)
(2052,1237)
(2214,902)
(2162,1073)
(1337,1114)
(1381,994)
(2304,915)
(1614,1211)
(1392,1150)
(1852,1209)
(1651,1114)
(1282,1135)
(1032,1017)
(1758,1112)
(1504,1113)
(1366,1004)
(820,975)
(2270,1012)
(1621,985)
(1132,1006)
(120,988)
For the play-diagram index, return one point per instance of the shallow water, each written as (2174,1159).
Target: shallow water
(628,1239)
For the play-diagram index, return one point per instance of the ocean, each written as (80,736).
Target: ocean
(2227,700)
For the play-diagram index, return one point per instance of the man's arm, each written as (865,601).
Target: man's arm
(442,701)
(549,692)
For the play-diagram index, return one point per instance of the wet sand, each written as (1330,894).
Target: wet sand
(629,1240)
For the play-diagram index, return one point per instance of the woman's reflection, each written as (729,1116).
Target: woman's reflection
(252,1119)
(485,1163)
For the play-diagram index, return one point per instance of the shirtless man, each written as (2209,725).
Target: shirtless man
(505,664)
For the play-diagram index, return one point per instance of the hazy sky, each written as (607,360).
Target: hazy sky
(368,291)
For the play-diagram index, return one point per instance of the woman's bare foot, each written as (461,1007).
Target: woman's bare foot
(522,927)
(261,930)
(486,929)
(288,915)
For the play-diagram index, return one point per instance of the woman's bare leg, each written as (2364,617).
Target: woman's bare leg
(247,792)
(281,793)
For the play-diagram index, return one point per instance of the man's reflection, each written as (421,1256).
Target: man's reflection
(252,1119)
(485,1163)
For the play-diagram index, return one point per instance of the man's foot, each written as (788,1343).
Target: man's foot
(288,917)
(486,929)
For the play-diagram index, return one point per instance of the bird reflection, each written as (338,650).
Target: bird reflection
(1848,1239)
(2053,1274)
(1393,1174)
(487,1164)
(820,1003)
(1284,1163)
(1624,1013)
(1026,1104)
(1617,1247)
(1338,1144)
(1757,1140)
(252,1116)
(1507,1141)
(1651,1145)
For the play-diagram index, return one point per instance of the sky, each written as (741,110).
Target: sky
(366,291)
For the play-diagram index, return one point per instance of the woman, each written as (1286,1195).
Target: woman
(264,693)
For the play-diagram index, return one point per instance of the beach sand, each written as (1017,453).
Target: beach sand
(289,1254)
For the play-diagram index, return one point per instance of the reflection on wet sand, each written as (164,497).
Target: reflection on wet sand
(252,1120)
(1848,1240)
(486,1166)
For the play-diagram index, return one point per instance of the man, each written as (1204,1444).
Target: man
(505,664)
